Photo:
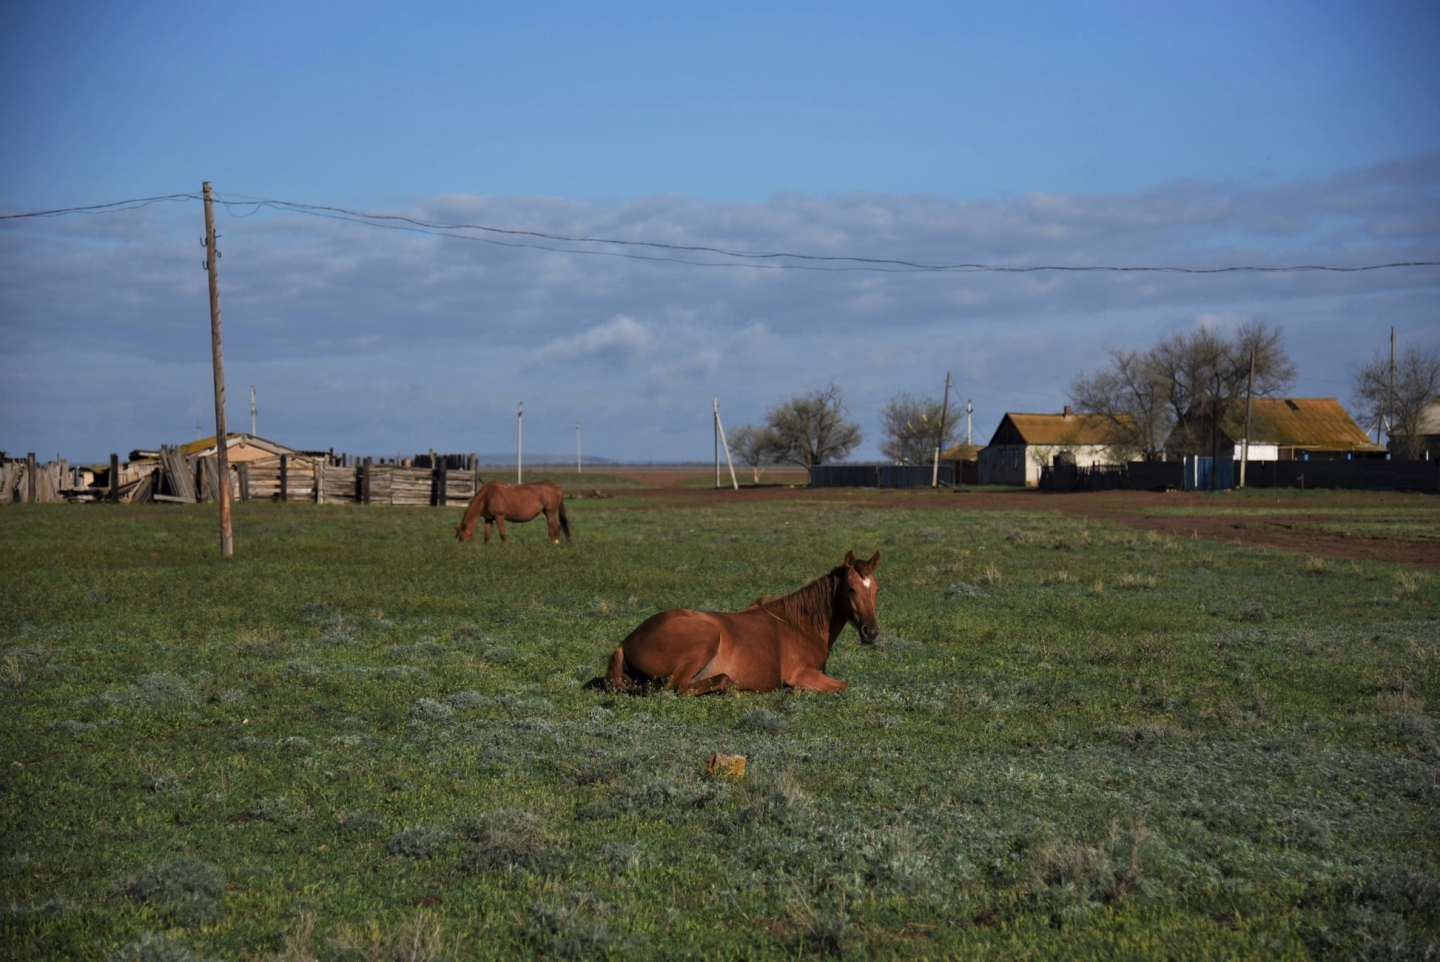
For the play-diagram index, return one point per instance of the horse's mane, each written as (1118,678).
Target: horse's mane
(812,606)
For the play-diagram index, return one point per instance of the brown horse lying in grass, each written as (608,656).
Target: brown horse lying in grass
(498,502)
(784,641)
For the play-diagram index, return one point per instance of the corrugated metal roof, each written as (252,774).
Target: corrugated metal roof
(1318,423)
(1069,429)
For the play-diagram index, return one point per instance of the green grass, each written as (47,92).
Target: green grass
(566,479)
(1074,740)
(1409,518)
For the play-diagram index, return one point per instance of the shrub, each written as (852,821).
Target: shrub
(467,634)
(960,589)
(430,710)
(764,720)
(275,809)
(151,947)
(360,823)
(418,841)
(466,700)
(187,889)
(157,688)
(499,654)
(560,932)
(506,839)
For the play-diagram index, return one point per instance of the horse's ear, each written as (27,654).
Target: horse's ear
(849,559)
(874,561)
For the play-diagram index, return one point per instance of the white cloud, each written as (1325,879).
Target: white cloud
(317,311)
(621,336)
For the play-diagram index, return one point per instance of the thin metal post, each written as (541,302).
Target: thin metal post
(519,440)
(716,426)
(577,447)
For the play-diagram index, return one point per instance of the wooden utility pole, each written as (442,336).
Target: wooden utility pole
(1390,405)
(222,452)
(940,441)
(1249,400)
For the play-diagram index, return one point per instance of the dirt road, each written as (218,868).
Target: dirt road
(1314,523)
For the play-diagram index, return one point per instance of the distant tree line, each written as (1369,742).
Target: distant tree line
(1180,397)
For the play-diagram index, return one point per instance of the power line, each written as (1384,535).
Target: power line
(778,260)
(114,207)
(890,265)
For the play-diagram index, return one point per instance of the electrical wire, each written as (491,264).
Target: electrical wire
(773,260)
(113,207)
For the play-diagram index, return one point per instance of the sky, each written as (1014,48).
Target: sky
(1018,134)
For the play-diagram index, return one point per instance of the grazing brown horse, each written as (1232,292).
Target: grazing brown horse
(783,641)
(498,502)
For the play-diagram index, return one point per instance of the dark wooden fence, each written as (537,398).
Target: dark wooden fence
(1360,475)
(878,475)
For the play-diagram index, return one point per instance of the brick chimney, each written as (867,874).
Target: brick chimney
(1067,410)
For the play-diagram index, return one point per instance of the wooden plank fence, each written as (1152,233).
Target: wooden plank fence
(442,481)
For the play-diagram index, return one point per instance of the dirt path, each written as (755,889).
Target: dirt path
(1164,512)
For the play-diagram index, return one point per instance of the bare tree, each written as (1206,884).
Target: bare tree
(1132,395)
(812,428)
(755,445)
(1191,385)
(1417,381)
(912,429)
(1208,373)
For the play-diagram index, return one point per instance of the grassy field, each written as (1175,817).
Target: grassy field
(360,740)
(566,479)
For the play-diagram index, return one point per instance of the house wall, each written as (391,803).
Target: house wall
(1260,452)
(1019,464)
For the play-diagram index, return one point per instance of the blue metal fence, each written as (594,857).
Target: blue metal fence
(1198,473)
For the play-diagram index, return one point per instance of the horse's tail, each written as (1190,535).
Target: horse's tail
(616,678)
(564,521)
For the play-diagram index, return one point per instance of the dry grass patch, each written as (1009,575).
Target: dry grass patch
(1137,582)
(1409,582)
(418,938)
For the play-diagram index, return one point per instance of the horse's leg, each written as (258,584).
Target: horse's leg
(813,679)
(553,523)
(704,686)
(487,530)
(616,677)
(500,523)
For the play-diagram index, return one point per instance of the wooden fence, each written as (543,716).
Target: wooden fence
(171,477)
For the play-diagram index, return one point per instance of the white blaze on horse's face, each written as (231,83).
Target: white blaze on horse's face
(860,589)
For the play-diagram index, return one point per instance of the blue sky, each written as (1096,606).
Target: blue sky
(1086,132)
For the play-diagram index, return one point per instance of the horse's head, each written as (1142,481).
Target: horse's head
(462,535)
(857,595)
